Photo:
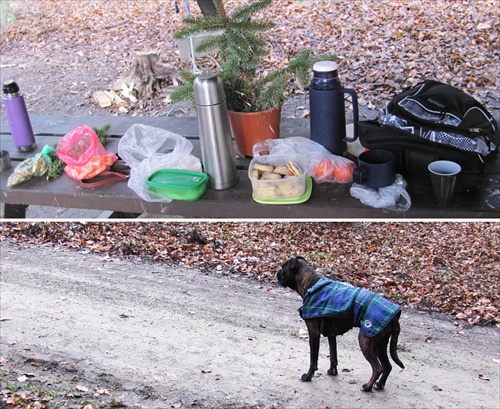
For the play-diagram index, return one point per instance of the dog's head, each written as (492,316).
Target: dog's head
(290,271)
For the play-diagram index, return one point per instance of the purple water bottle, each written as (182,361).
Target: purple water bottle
(17,116)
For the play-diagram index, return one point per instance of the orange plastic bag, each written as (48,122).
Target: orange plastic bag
(83,154)
(332,168)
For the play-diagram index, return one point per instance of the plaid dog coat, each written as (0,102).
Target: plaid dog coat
(328,298)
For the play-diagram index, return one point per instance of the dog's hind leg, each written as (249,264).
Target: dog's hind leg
(332,342)
(386,365)
(369,349)
(391,332)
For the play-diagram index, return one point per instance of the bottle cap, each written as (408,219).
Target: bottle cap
(10,87)
(325,66)
(208,90)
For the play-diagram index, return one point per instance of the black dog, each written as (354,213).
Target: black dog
(332,308)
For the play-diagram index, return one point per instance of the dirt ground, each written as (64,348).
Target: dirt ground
(86,331)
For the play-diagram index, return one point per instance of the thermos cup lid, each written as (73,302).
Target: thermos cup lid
(325,66)
(208,90)
(10,87)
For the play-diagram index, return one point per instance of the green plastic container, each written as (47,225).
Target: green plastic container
(178,184)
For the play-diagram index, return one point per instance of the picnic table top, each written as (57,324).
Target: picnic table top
(477,195)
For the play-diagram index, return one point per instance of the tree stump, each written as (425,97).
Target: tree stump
(148,73)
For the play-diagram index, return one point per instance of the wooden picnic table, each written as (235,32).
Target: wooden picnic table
(477,195)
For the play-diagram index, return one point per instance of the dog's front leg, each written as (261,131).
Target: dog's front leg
(332,342)
(314,335)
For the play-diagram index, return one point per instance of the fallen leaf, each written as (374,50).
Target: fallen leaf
(303,333)
(484,26)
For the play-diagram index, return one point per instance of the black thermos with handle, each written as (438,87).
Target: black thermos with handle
(327,109)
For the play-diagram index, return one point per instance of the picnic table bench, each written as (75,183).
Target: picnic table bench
(477,195)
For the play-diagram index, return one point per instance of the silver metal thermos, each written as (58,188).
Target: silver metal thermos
(327,110)
(215,135)
(18,118)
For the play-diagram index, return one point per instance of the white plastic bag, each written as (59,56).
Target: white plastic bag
(393,197)
(147,149)
(322,165)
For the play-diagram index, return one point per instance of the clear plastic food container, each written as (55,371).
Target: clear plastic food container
(277,177)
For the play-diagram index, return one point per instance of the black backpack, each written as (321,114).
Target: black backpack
(433,121)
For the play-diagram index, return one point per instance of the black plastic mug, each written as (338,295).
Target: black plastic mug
(376,168)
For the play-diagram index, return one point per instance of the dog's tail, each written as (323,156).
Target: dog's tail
(393,348)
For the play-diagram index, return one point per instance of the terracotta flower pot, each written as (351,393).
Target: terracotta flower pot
(248,128)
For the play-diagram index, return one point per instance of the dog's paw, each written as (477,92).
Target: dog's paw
(306,378)
(332,372)
(378,386)
(366,388)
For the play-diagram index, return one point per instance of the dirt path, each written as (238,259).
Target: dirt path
(92,330)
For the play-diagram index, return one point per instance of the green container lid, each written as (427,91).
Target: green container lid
(178,184)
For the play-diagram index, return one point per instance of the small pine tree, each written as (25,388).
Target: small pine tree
(242,46)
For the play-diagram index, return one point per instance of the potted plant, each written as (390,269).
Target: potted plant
(250,90)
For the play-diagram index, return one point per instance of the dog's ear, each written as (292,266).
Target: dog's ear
(295,263)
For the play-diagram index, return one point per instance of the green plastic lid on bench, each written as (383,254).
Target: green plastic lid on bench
(178,184)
